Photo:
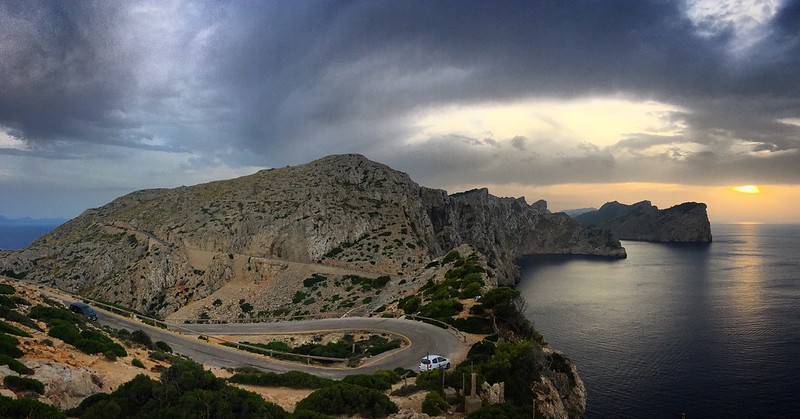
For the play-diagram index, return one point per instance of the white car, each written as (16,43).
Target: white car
(432,362)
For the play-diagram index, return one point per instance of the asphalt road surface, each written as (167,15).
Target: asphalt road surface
(424,339)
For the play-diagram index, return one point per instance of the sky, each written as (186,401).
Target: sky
(577,102)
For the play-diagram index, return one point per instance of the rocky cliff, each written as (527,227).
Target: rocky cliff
(687,222)
(158,250)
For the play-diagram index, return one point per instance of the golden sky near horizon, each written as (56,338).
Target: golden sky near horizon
(773,204)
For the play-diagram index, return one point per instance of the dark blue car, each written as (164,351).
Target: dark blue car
(84,309)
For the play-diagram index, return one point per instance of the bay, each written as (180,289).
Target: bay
(707,330)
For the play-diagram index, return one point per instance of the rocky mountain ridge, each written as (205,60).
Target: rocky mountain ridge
(686,222)
(158,250)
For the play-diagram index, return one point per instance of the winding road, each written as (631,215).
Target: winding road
(423,339)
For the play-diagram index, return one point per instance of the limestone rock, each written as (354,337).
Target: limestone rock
(162,249)
(65,386)
(687,222)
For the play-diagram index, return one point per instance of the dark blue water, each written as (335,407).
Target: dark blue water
(706,330)
(19,236)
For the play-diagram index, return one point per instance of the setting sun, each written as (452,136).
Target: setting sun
(746,189)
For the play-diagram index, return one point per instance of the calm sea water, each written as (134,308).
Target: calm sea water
(19,236)
(712,331)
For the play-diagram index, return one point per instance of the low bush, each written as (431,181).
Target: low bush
(434,404)
(409,304)
(348,399)
(383,347)
(27,408)
(142,338)
(291,379)
(314,280)
(136,363)
(7,289)
(441,309)
(186,390)
(15,383)
(7,302)
(472,324)
(14,316)
(8,346)
(163,346)
(14,365)
(430,380)
(369,381)
(47,314)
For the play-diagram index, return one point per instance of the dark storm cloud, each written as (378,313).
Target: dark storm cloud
(276,83)
(61,74)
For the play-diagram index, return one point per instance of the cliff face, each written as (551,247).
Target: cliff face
(687,222)
(157,250)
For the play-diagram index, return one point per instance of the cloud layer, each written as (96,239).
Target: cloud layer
(162,93)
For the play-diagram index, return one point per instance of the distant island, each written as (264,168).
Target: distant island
(642,221)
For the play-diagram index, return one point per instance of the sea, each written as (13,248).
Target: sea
(699,330)
(13,237)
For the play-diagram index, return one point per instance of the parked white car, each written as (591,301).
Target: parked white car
(432,362)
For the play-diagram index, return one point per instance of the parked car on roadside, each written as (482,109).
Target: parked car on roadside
(432,362)
(82,308)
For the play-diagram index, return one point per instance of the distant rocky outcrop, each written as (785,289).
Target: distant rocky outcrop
(578,211)
(687,222)
(158,250)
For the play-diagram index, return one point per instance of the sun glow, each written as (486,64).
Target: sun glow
(746,189)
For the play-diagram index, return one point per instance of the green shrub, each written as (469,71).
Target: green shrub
(142,338)
(477,325)
(347,399)
(441,309)
(186,390)
(8,346)
(136,363)
(481,351)
(381,281)
(369,381)
(291,379)
(477,310)
(298,297)
(14,316)
(65,331)
(314,280)
(383,347)
(47,314)
(14,365)
(430,380)
(27,408)
(274,345)
(434,404)
(7,302)
(473,289)
(452,256)
(23,384)
(163,346)
(110,355)
(498,296)
(409,304)
(158,356)
(7,289)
